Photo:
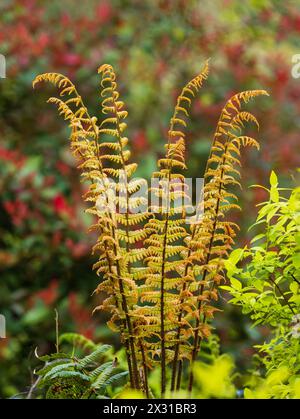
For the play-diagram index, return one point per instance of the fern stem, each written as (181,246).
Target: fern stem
(177,346)
(190,89)
(132,346)
(180,365)
(162,312)
(197,338)
(123,327)
(162,283)
(176,364)
(201,289)
(131,354)
(129,326)
(56,330)
(145,371)
(184,287)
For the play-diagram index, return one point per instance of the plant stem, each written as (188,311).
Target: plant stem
(145,370)
(295,279)
(132,346)
(282,294)
(177,347)
(56,330)
(179,375)
(162,313)
(135,380)
(196,338)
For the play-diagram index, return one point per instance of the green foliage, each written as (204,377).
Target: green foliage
(215,380)
(78,374)
(267,288)
(279,383)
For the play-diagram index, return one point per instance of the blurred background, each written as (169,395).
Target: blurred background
(156,46)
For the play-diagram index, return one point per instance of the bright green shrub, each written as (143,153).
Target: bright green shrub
(267,289)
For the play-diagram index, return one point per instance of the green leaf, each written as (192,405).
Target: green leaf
(59,368)
(69,374)
(51,357)
(236,284)
(230,263)
(294,287)
(258,237)
(236,255)
(225,287)
(296,261)
(77,339)
(115,378)
(50,365)
(274,194)
(96,372)
(94,356)
(273,179)
(103,377)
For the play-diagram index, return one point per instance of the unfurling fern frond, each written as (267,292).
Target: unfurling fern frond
(86,146)
(165,244)
(160,274)
(213,234)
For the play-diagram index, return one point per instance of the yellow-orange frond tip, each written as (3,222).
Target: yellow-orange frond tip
(264,92)
(105,67)
(206,66)
(38,79)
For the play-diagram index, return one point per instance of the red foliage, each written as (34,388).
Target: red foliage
(104,12)
(12,156)
(61,206)
(78,250)
(140,141)
(48,295)
(17,210)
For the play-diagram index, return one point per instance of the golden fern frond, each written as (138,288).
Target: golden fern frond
(85,145)
(183,104)
(241,117)
(59,80)
(231,118)
(221,170)
(166,246)
(67,88)
(129,230)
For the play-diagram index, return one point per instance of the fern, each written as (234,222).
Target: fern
(160,274)
(94,356)
(87,147)
(212,238)
(71,376)
(166,234)
(77,340)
